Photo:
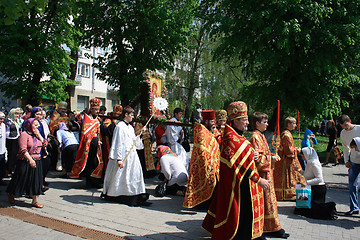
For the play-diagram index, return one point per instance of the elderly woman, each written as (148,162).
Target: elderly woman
(13,129)
(37,113)
(314,177)
(27,179)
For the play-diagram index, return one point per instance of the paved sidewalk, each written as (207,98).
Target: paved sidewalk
(67,200)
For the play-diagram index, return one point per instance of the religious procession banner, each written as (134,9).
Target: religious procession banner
(204,167)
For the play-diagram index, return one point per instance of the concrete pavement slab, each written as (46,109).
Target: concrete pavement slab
(69,201)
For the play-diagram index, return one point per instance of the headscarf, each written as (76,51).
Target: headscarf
(41,128)
(34,110)
(11,116)
(164,150)
(306,142)
(357,142)
(310,155)
(28,127)
(62,126)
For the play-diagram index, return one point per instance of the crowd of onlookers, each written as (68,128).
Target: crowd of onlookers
(28,134)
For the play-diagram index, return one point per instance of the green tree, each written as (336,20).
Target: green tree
(145,34)
(11,10)
(300,51)
(198,78)
(34,47)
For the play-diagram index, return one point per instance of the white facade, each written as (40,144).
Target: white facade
(89,85)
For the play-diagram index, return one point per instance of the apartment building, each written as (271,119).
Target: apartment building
(88,85)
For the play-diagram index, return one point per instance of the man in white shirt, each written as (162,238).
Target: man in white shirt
(175,136)
(2,148)
(351,158)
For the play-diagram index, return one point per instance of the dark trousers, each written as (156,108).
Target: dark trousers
(68,156)
(2,166)
(12,146)
(92,161)
(45,162)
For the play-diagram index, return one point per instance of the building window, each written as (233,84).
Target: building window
(102,101)
(83,69)
(82,103)
(101,50)
(114,102)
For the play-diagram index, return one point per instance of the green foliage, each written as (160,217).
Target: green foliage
(33,48)
(12,10)
(144,34)
(301,52)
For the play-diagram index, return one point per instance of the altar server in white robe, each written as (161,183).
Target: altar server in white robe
(175,136)
(124,182)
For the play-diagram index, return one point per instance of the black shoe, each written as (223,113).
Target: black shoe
(278,234)
(352,212)
(102,196)
(44,188)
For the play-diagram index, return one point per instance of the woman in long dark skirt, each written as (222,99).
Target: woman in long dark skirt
(27,179)
(37,113)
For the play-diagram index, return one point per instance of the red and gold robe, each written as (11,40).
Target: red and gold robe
(90,129)
(204,167)
(146,137)
(56,118)
(223,217)
(264,167)
(285,175)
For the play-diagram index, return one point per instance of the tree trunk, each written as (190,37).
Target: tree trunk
(33,98)
(73,69)
(193,76)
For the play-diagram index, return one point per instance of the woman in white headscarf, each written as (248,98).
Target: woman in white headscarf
(13,130)
(355,143)
(314,177)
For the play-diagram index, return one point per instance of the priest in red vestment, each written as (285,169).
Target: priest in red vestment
(237,208)
(204,164)
(88,162)
(58,116)
(264,164)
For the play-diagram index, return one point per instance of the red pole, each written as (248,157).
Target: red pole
(299,128)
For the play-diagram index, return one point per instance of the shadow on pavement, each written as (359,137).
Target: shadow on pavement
(348,223)
(189,232)
(341,174)
(83,199)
